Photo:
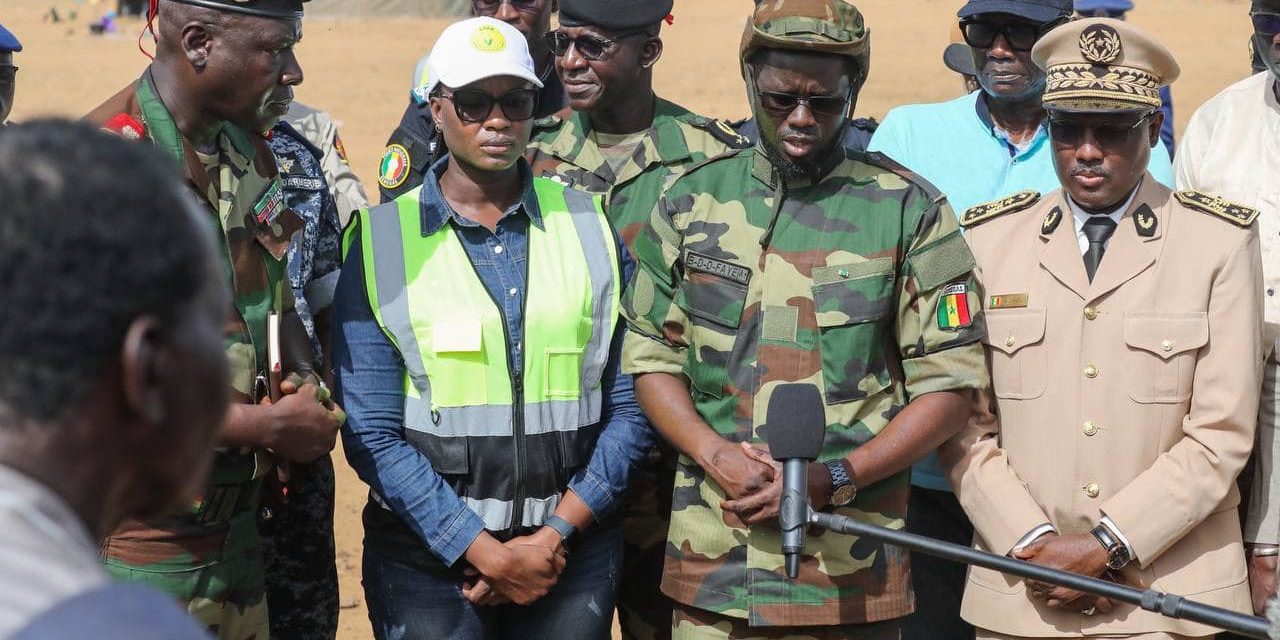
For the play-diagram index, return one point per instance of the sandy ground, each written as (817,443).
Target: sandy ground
(359,70)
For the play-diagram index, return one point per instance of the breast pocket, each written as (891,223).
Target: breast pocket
(1015,341)
(1162,350)
(849,315)
(713,293)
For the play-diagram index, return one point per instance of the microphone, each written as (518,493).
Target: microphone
(795,424)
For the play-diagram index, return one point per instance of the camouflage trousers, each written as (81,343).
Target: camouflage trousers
(297,549)
(688,623)
(225,594)
(644,612)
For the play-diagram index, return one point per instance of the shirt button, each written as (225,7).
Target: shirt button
(1090,313)
(1092,490)
(1090,429)
(513,291)
(1090,372)
(497,249)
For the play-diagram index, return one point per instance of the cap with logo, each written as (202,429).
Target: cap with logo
(8,41)
(1039,11)
(286,9)
(475,49)
(818,26)
(1120,6)
(1099,65)
(614,15)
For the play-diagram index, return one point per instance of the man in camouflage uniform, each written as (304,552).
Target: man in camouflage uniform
(223,73)
(297,532)
(799,261)
(621,141)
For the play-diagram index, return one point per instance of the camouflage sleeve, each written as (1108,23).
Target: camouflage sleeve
(939,321)
(658,327)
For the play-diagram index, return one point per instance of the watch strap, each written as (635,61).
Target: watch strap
(561,526)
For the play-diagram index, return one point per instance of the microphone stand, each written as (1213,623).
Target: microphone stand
(1165,604)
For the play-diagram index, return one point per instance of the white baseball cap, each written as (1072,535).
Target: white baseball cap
(475,49)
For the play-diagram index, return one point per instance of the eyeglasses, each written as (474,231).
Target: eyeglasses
(473,105)
(588,46)
(1021,36)
(1070,133)
(485,7)
(1266,24)
(8,73)
(785,103)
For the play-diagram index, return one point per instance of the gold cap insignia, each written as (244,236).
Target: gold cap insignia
(994,209)
(1232,212)
(1100,44)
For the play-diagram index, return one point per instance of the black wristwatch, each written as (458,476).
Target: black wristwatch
(1117,553)
(843,490)
(562,527)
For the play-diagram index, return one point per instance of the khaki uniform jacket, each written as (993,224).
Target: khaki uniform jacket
(1133,396)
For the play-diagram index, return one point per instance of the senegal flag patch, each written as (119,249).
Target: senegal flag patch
(953,308)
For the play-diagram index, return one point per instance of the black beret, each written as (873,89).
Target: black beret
(614,15)
(264,8)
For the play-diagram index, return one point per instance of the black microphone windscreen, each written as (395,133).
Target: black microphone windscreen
(795,422)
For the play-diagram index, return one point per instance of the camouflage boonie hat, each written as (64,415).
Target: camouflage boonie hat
(819,26)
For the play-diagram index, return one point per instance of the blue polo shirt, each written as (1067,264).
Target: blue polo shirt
(955,146)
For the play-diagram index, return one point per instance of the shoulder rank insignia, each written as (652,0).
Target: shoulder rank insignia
(1144,219)
(1237,214)
(720,130)
(1051,221)
(997,208)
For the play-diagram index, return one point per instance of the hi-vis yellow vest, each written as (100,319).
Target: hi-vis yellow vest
(507,442)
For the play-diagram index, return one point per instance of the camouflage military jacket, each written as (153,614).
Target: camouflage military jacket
(859,284)
(563,148)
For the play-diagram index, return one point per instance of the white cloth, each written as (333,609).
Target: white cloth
(46,553)
(1080,216)
(1232,148)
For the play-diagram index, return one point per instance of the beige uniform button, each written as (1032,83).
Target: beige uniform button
(1092,490)
(1167,345)
(1090,313)
(1091,372)
(1090,429)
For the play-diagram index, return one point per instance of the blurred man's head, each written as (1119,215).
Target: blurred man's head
(9,45)
(605,51)
(1103,99)
(236,57)
(805,62)
(1265,15)
(115,382)
(1001,34)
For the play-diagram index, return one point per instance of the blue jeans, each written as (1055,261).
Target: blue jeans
(407,604)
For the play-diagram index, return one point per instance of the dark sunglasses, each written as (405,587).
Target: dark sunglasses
(8,73)
(1266,24)
(474,105)
(1021,36)
(484,7)
(588,46)
(1071,133)
(785,103)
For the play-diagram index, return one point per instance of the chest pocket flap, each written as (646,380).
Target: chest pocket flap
(1010,331)
(1166,335)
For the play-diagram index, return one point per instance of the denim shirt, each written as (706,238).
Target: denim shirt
(370,381)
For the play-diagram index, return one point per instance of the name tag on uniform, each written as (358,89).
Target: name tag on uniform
(1008,301)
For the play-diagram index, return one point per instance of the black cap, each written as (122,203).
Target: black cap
(266,8)
(614,15)
(1041,11)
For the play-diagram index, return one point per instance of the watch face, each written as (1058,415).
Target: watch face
(844,495)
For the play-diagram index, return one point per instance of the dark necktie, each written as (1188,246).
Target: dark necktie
(1098,230)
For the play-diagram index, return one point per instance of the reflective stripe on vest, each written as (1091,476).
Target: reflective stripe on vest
(451,334)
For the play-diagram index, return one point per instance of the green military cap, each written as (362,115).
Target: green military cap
(264,8)
(819,26)
(1099,65)
(614,15)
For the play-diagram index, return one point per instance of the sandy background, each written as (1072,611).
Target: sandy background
(359,70)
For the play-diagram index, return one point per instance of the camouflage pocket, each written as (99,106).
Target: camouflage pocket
(849,315)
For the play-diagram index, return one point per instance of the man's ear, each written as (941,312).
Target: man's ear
(197,43)
(141,369)
(651,52)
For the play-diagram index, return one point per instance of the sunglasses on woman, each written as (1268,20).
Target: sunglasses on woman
(1021,36)
(474,105)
